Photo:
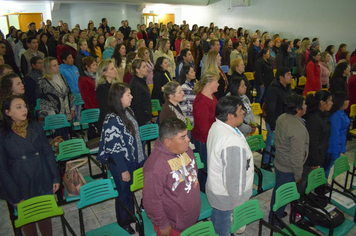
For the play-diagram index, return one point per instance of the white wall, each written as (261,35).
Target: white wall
(81,14)
(329,20)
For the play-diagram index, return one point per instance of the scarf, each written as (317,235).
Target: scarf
(73,45)
(258,49)
(222,74)
(20,129)
(86,53)
(92,75)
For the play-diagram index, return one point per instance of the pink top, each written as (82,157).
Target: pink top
(324,73)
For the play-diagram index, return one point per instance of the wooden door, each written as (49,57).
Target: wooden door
(166,18)
(25,18)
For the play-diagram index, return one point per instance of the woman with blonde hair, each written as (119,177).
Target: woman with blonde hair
(69,44)
(140,43)
(144,53)
(164,51)
(109,47)
(130,57)
(204,101)
(233,36)
(264,37)
(212,63)
(105,76)
(301,63)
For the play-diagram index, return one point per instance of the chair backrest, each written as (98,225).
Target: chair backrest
(150,87)
(310,92)
(315,179)
(96,191)
(274,72)
(189,125)
(245,214)
(341,165)
(205,228)
(294,70)
(148,132)
(256,108)
(353,110)
(272,141)
(36,209)
(38,104)
(249,75)
(302,81)
(137,180)
(293,84)
(78,99)
(90,116)
(256,142)
(325,89)
(200,164)
(56,121)
(156,106)
(72,148)
(285,194)
(225,68)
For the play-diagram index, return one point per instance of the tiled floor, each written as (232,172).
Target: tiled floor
(104,213)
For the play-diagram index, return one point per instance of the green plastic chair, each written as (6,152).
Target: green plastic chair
(56,121)
(38,104)
(353,174)
(247,213)
(96,192)
(189,125)
(73,149)
(156,105)
(148,133)
(87,117)
(200,229)
(78,99)
(137,184)
(205,208)
(264,179)
(341,166)
(40,208)
(317,178)
(285,194)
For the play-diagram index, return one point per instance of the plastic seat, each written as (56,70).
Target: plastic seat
(148,133)
(353,174)
(96,192)
(274,72)
(341,166)
(302,81)
(56,121)
(285,194)
(38,102)
(310,92)
(150,86)
(156,106)
(189,125)
(293,84)
(40,208)
(225,68)
(257,111)
(200,229)
(352,116)
(317,178)
(87,117)
(249,76)
(78,99)
(294,70)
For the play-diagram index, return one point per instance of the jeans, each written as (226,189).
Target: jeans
(281,178)
(260,94)
(221,221)
(265,158)
(200,147)
(330,158)
(123,188)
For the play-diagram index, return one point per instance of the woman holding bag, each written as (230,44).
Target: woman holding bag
(120,146)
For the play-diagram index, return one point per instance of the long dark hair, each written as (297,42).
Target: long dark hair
(116,92)
(312,54)
(328,49)
(234,86)
(7,121)
(116,55)
(339,98)
(183,73)
(128,44)
(158,65)
(91,46)
(6,85)
(313,100)
(339,70)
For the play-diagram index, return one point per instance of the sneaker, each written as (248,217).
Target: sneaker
(240,230)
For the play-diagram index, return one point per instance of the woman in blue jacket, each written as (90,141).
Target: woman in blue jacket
(339,124)
(27,164)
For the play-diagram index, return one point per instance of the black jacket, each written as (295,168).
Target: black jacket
(281,60)
(236,74)
(32,85)
(42,47)
(275,101)
(159,80)
(27,166)
(141,101)
(253,55)
(263,72)
(52,46)
(319,129)
(338,84)
(102,92)
(79,64)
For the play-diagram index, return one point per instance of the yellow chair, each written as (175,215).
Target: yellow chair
(325,89)
(256,109)
(293,84)
(310,92)
(263,132)
(274,72)
(302,81)
(150,86)
(352,116)
(249,76)
(174,53)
